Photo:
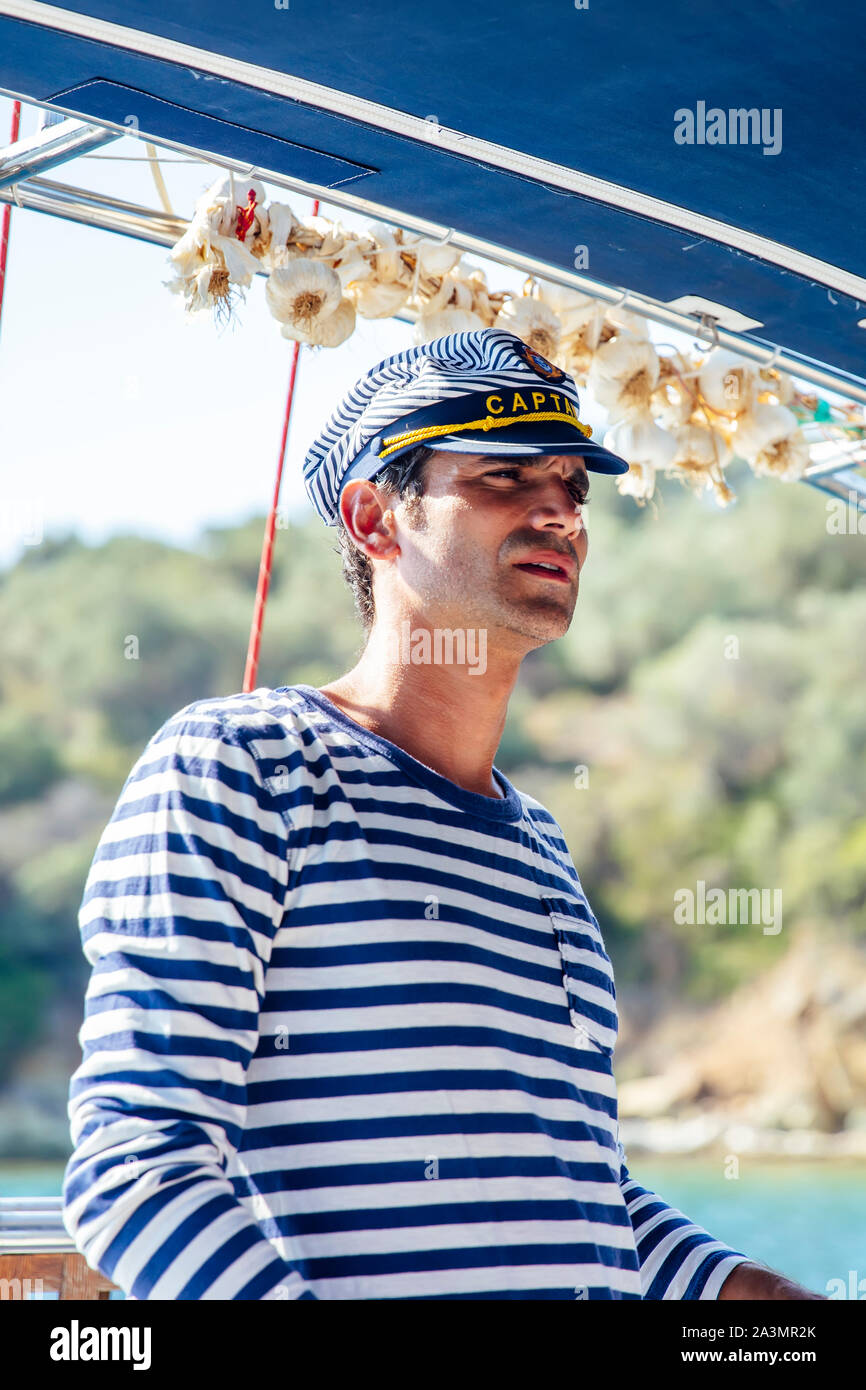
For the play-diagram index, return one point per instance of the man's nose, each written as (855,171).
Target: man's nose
(552,497)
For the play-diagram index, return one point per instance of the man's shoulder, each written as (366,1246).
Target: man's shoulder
(260,720)
(539,814)
(243,710)
(549,831)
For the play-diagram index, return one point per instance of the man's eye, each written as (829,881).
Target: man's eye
(575,488)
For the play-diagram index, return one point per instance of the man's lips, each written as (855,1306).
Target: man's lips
(565,566)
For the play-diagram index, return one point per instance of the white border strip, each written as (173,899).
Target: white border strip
(456,142)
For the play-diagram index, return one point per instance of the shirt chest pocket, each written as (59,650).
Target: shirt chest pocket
(587,977)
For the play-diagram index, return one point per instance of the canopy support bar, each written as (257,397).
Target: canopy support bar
(53,145)
(847,484)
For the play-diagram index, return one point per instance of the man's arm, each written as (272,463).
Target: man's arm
(678,1260)
(755,1281)
(181,905)
(681,1260)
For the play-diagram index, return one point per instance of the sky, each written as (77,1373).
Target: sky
(120,412)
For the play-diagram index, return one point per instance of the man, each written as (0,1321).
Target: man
(351,1022)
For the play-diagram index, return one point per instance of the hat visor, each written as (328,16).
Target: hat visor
(597,458)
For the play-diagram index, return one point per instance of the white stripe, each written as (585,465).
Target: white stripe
(418,1148)
(391,1061)
(384,1196)
(407,1105)
(458,142)
(472,1235)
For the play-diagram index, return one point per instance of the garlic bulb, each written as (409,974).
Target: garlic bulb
(580,320)
(674,398)
(325,332)
(221,191)
(482,305)
(316,238)
(641,443)
(284,226)
(436,258)
(728,383)
(258,238)
(214,208)
(454,292)
(373,300)
(325,239)
(351,266)
(768,438)
(206,261)
(531,320)
(624,321)
(584,322)
(646,448)
(283,222)
(196,288)
(639,482)
(700,455)
(240,263)
(444,321)
(189,254)
(302,294)
(623,375)
(776,383)
(577,348)
(388,263)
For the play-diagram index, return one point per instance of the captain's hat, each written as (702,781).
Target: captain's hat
(481,392)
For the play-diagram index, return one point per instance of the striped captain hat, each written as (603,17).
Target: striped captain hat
(481,392)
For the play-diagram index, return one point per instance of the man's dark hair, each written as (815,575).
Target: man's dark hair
(405,477)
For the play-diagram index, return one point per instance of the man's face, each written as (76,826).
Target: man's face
(467,550)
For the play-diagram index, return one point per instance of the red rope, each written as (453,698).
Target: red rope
(7,211)
(264,581)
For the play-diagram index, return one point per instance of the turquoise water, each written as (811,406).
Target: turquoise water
(807,1220)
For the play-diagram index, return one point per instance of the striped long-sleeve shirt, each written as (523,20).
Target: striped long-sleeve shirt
(349,1034)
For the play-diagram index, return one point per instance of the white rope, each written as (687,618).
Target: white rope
(159,180)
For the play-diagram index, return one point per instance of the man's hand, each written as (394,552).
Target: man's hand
(751,1281)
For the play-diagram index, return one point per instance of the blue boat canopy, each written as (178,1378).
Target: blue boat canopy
(708,158)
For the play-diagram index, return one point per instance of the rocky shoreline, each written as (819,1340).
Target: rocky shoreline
(776,1070)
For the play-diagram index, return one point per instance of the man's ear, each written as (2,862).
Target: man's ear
(368,519)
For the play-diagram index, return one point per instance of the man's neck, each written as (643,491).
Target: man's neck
(448,718)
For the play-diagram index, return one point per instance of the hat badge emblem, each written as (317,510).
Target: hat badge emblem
(539,364)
